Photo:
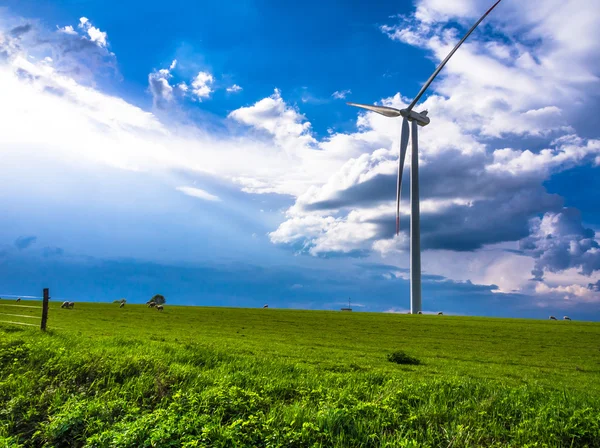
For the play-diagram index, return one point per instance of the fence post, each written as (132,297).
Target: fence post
(45,309)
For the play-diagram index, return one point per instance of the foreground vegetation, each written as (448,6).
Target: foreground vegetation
(105,376)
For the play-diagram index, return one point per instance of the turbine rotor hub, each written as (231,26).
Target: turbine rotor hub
(420,117)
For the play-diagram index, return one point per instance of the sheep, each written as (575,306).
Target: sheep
(18,299)
(566,318)
(265,306)
(552,318)
(419,312)
(65,305)
(159,308)
(122,305)
(151,304)
(71,305)
(440,314)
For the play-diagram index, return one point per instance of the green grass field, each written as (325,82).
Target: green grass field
(191,376)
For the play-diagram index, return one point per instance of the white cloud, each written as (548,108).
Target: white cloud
(66,113)
(340,95)
(202,85)
(277,118)
(68,30)
(95,35)
(569,151)
(161,89)
(560,68)
(573,293)
(198,193)
(234,89)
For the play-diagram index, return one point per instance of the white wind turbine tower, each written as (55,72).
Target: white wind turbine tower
(421,119)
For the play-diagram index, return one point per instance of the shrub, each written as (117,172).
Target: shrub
(402,358)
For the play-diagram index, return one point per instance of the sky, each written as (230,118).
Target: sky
(204,151)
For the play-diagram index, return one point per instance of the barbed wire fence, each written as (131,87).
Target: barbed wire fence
(25,310)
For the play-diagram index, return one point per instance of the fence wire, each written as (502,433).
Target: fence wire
(9,312)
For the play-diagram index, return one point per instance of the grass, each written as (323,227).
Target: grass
(189,376)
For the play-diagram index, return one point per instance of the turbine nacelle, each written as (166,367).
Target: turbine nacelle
(420,117)
(391,112)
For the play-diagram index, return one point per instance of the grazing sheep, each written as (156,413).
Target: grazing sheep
(71,305)
(265,306)
(419,312)
(159,308)
(18,299)
(440,314)
(566,318)
(122,305)
(552,318)
(151,304)
(65,305)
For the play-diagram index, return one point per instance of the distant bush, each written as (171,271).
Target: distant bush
(402,358)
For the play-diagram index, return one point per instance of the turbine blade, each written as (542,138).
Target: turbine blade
(441,66)
(383,110)
(402,156)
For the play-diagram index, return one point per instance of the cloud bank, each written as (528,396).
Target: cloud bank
(482,182)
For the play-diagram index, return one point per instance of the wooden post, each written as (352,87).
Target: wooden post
(45,309)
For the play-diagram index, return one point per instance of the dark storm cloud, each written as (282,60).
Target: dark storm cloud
(559,241)
(380,267)
(371,192)
(240,284)
(52,252)
(20,30)
(450,174)
(378,270)
(467,228)
(23,242)
(499,208)
(504,218)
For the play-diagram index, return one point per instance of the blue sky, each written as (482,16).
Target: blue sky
(205,151)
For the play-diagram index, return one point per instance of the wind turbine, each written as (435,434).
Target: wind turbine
(417,119)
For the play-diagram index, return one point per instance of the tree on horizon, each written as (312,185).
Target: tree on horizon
(159,299)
